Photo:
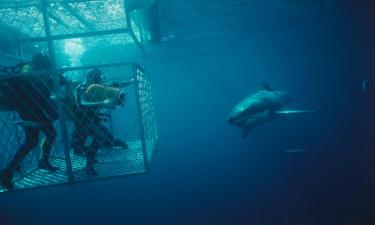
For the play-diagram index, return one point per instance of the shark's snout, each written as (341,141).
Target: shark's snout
(233,116)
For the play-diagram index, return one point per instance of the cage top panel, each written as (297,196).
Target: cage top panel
(64,17)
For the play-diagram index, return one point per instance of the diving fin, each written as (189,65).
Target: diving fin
(292,111)
(245,131)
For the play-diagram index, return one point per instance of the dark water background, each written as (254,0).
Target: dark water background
(215,53)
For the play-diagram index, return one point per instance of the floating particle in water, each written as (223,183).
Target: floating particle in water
(294,150)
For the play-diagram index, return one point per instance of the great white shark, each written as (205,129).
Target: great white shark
(261,107)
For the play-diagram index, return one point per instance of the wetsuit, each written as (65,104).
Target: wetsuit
(88,122)
(30,97)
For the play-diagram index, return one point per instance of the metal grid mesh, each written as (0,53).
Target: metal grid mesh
(65,17)
(111,161)
(27,20)
(68,18)
(25,94)
(10,136)
(147,113)
(114,48)
(18,3)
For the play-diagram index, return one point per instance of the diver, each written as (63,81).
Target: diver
(30,98)
(88,119)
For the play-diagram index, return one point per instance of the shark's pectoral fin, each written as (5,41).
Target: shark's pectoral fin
(245,131)
(292,111)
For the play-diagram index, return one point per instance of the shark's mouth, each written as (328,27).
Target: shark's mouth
(239,120)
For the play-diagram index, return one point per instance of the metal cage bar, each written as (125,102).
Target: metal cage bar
(62,120)
(28,3)
(43,5)
(149,126)
(76,35)
(140,117)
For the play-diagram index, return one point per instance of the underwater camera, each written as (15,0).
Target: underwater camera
(99,93)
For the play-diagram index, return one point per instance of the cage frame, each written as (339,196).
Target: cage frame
(135,68)
(49,38)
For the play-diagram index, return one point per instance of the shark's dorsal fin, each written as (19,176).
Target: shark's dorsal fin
(265,86)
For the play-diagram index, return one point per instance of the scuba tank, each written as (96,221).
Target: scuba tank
(6,92)
(69,101)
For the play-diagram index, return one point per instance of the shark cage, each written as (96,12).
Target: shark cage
(46,111)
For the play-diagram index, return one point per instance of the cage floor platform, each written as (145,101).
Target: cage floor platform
(111,162)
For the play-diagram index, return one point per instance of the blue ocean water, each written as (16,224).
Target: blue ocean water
(215,53)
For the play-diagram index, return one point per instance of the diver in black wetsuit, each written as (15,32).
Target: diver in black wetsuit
(30,97)
(88,122)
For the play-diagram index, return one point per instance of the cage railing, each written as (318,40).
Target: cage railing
(135,161)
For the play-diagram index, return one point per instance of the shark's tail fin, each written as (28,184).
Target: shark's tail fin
(292,111)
